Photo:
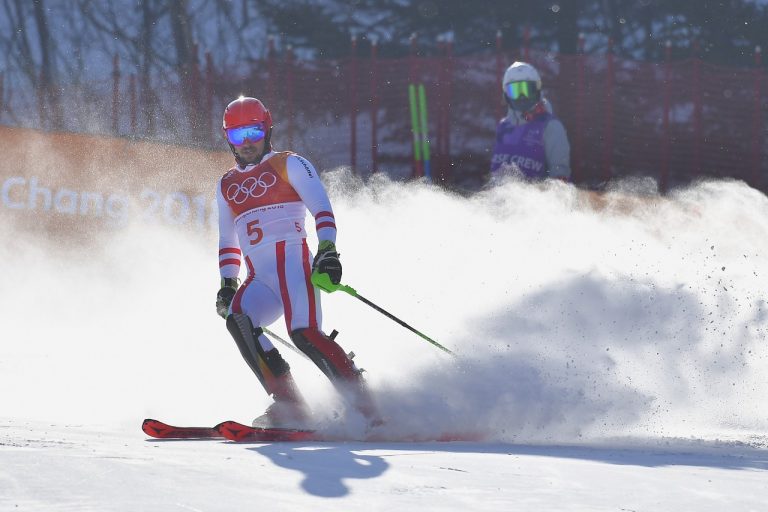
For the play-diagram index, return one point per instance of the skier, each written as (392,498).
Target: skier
(262,202)
(530,139)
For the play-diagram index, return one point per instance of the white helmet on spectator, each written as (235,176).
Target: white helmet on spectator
(521,86)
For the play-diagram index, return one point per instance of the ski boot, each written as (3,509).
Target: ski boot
(283,415)
(289,409)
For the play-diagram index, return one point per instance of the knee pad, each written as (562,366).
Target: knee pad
(325,353)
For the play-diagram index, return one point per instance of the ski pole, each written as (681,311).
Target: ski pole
(323,281)
(281,340)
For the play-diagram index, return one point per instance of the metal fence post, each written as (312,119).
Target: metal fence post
(578,149)
(664,180)
(374,107)
(608,116)
(352,84)
(697,106)
(448,84)
(499,74)
(439,97)
(757,121)
(289,83)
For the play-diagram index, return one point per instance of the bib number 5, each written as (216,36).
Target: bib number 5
(255,233)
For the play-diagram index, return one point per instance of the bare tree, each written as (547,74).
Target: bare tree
(47,85)
(20,63)
(17,39)
(181,27)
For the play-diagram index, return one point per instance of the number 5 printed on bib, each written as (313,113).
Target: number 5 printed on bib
(253,229)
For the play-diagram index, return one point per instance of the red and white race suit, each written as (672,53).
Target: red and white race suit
(262,208)
(261,219)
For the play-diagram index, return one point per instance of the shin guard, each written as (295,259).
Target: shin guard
(326,354)
(270,367)
(338,367)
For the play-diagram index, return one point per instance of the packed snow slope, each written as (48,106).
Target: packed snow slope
(627,320)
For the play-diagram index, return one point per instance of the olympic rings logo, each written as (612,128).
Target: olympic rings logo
(250,187)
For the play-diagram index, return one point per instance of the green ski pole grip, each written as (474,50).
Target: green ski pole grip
(323,281)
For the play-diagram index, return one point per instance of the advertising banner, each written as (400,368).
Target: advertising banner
(67,184)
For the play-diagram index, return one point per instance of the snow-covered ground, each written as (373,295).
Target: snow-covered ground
(77,467)
(613,349)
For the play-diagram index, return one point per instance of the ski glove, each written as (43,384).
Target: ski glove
(225,295)
(327,261)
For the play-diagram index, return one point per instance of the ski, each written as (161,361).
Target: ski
(235,431)
(230,430)
(160,430)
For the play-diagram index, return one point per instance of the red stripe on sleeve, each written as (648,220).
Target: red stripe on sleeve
(325,214)
(325,225)
(229,250)
(224,263)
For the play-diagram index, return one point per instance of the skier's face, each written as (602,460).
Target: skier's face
(249,152)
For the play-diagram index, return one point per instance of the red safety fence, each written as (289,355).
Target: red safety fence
(674,120)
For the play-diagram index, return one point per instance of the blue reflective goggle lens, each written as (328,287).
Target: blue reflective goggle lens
(517,90)
(238,136)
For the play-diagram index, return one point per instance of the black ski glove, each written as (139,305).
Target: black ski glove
(327,261)
(225,295)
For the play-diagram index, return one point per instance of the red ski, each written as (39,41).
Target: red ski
(160,430)
(235,431)
(230,430)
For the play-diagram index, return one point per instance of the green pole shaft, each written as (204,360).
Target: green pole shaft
(415,123)
(393,317)
(323,281)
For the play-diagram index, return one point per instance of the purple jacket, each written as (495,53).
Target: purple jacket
(537,149)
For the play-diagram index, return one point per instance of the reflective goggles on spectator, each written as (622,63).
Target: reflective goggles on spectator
(238,136)
(517,90)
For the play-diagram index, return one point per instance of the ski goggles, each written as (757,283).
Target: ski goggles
(516,90)
(238,136)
